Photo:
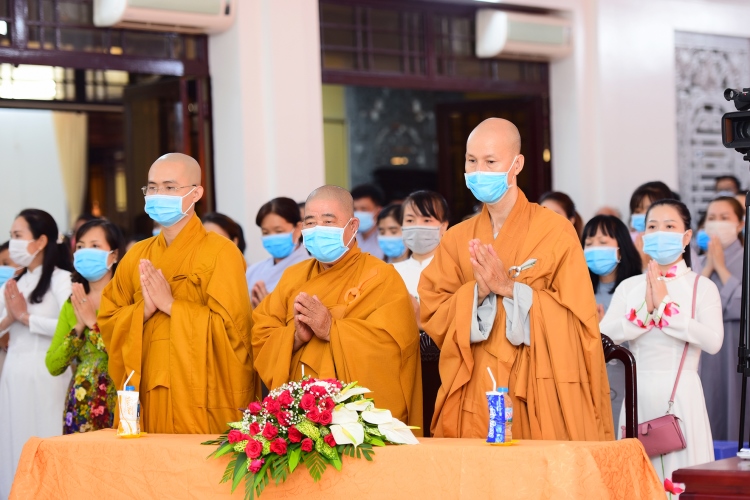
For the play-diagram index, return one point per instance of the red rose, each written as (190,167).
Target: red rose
(318,390)
(313,415)
(307,382)
(307,444)
(269,431)
(330,441)
(253,448)
(272,406)
(256,465)
(328,404)
(278,446)
(254,429)
(307,401)
(325,417)
(234,436)
(285,399)
(246,437)
(254,407)
(295,436)
(334,382)
(284,418)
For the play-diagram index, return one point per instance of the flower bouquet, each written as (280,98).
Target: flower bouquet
(313,422)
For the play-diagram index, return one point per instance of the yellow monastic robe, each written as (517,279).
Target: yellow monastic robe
(374,337)
(559,383)
(194,369)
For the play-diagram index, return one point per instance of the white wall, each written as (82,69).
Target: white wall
(29,167)
(613,102)
(267,110)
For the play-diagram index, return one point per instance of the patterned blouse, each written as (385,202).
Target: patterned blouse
(92,394)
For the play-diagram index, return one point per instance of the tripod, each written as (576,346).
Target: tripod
(743,352)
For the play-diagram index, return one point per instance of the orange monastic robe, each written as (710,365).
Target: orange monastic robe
(374,336)
(194,369)
(559,383)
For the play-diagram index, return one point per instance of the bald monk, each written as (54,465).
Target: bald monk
(342,314)
(177,313)
(538,332)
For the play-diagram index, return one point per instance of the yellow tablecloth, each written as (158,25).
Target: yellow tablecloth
(100,465)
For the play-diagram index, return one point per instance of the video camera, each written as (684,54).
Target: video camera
(735,126)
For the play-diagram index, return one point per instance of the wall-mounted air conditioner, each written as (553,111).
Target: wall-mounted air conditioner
(187,16)
(521,36)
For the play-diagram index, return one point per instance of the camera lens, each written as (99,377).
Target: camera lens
(743,129)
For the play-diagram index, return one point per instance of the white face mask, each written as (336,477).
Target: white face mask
(725,231)
(19,252)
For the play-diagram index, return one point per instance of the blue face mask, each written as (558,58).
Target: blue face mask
(280,246)
(702,239)
(663,246)
(326,243)
(638,222)
(166,210)
(6,273)
(601,260)
(392,246)
(366,221)
(91,263)
(488,187)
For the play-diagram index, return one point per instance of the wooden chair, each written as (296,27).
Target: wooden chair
(612,351)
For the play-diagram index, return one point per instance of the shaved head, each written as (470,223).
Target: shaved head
(339,195)
(178,167)
(498,133)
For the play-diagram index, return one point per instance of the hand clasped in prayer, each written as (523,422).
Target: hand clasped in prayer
(311,318)
(157,294)
(489,271)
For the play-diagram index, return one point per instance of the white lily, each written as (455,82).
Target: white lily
(347,393)
(361,405)
(350,433)
(377,416)
(342,415)
(398,432)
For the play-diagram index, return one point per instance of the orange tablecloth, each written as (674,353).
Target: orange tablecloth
(100,465)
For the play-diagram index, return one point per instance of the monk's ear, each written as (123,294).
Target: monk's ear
(518,167)
(198,194)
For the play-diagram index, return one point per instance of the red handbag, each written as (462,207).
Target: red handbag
(663,435)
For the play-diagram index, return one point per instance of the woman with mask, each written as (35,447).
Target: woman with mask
(389,234)
(424,220)
(640,201)
(722,264)
(31,400)
(8,269)
(669,314)
(611,258)
(281,227)
(92,395)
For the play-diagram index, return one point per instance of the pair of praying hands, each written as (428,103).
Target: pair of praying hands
(157,294)
(258,293)
(715,261)
(83,309)
(656,289)
(15,304)
(490,273)
(311,318)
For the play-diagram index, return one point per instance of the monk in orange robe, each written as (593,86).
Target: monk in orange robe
(507,290)
(343,314)
(177,312)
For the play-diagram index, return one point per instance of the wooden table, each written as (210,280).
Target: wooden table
(100,465)
(724,479)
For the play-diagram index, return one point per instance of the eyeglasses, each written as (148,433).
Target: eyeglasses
(152,190)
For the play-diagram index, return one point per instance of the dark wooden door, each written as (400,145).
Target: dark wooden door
(455,121)
(167,116)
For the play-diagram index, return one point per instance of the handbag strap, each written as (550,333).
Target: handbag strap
(685,350)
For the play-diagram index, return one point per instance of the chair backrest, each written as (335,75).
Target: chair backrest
(613,351)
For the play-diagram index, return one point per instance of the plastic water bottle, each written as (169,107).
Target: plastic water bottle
(507,404)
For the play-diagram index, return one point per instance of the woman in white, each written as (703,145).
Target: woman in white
(31,400)
(424,220)
(653,312)
(281,228)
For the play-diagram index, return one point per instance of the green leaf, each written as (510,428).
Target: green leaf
(279,468)
(315,464)
(228,471)
(221,439)
(375,441)
(336,463)
(223,450)
(249,490)
(294,457)
(359,453)
(240,469)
